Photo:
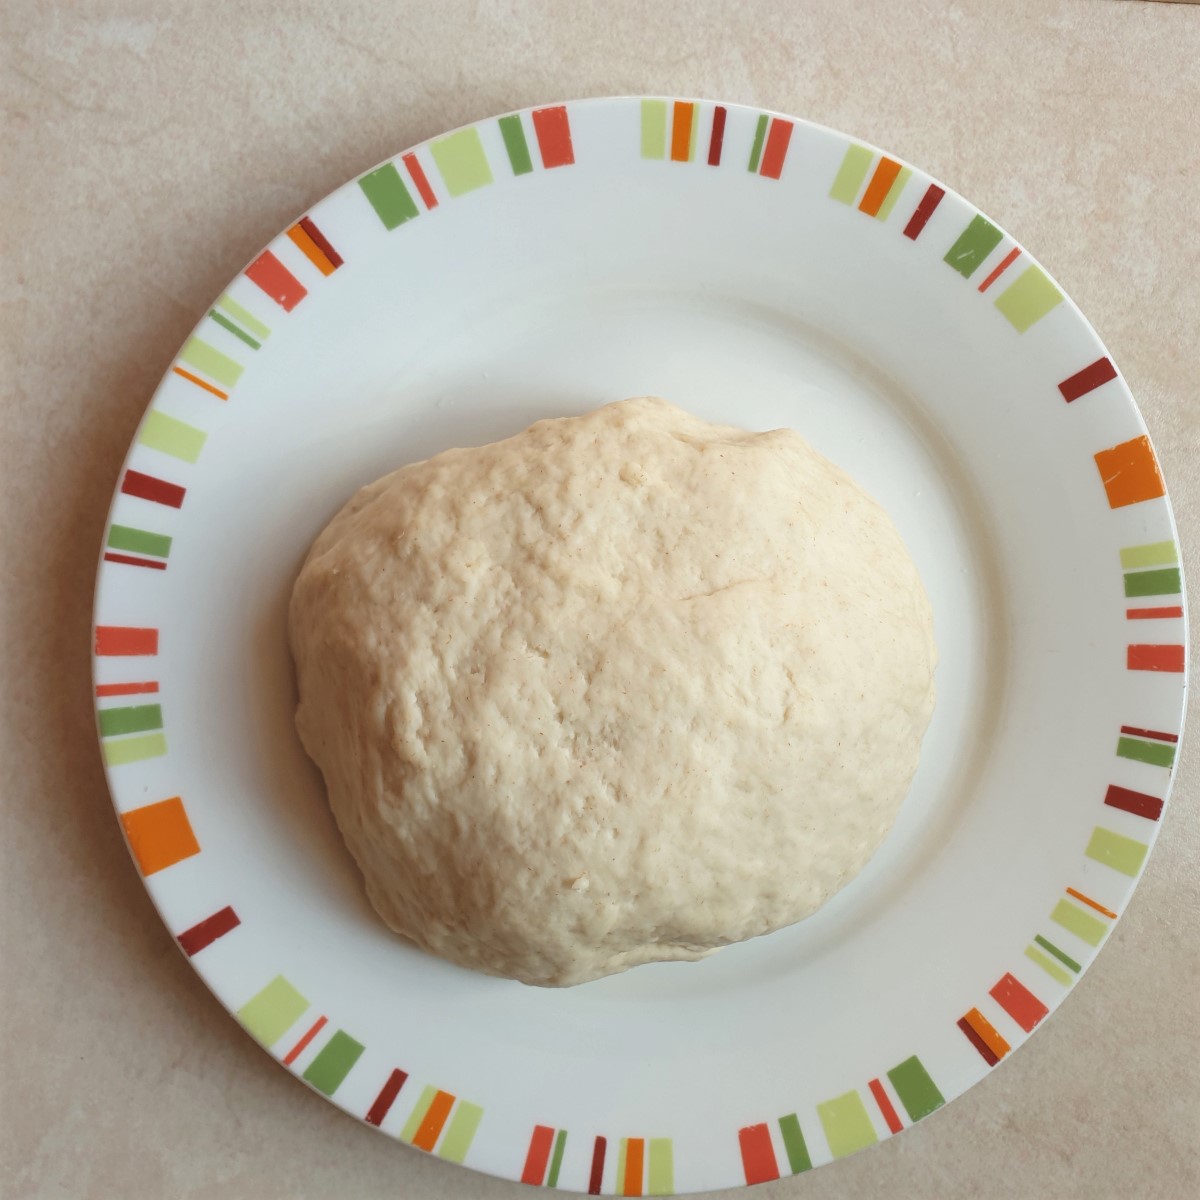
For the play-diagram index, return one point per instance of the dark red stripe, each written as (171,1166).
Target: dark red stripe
(885,1106)
(1137,803)
(321,242)
(276,280)
(1087,380)
(389,1092)
(1019,1002)
(978,1042)
(553,131)
(418,177)
(778,137)
(1150,733)
(130,561)
(538,1156)
(758,1155)
(596,1180)
(925,210)
(1154,658)
(205,932)
(718,137)
(147,487)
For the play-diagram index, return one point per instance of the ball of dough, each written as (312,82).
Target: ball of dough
(625,687)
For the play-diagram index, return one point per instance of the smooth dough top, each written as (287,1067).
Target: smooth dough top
(625,687)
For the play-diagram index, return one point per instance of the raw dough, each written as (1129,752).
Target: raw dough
(625,687)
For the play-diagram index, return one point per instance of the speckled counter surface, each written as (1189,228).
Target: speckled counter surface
(150,148)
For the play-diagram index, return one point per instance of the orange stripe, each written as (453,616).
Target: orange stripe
(125,689)
(880,185)
(311,250)
(987,1033)
(208,387)
(1091,903)
(439,1109)
(634,1155)
(159,834)
(681,131)
(1130,473)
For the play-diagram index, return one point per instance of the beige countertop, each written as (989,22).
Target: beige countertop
(150,147)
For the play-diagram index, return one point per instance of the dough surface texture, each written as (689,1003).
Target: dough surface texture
(626,687)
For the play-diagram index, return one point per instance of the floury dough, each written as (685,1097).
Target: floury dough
(625,687)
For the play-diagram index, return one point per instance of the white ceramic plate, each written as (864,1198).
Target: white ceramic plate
(759,271)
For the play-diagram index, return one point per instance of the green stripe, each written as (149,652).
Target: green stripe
(516,145)
(138,718)
(619,1185)
(1028,298)
(760,132)
(247,318)
(458,1137)
(560,1143)
(793,1142)
(333,1064)
(660,1175)
(268,1015)
(917,1091)
(654,128)
(1081,924)
(418,1114)
(140,541)
(134,749)
(1051,969)
(211,361)
(1121,853)
(847,1126)
(461,162)
(176,438)
(388,196)
(1163,582)
(889,201)
(851,174)
(1157,754)
(974,244)
(1155,554)
(237,332)
(1053,949)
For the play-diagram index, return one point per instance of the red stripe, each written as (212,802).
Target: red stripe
(205,932)
(718,137)
(147,487)
(298,1049)
(553,131)
(124,640)
(1150,733)
(388,1093)
(1155,658)
(125,689)
(885,1106)
(1019,1002)
(320,241)
(924,210)
(1149,614)
(129,561)
(1003,266)
(418,177)
(276,280)
(596,1179)
(1137,803)
(978,1042)
(1087,380)
(758,1155)
(778,137)
(538,1156)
